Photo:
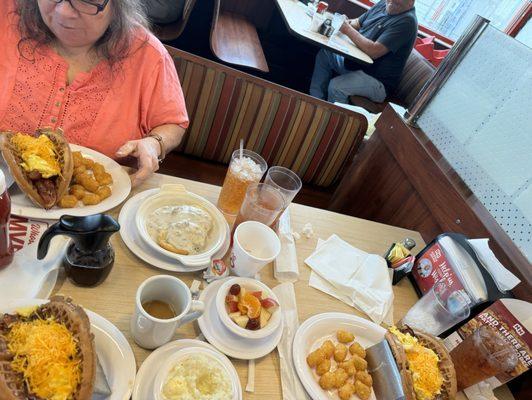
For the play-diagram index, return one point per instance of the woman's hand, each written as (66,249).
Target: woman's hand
(146,151)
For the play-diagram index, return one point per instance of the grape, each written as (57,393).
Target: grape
(253,324)
(235,289)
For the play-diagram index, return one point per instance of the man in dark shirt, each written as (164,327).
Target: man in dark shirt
(386,33)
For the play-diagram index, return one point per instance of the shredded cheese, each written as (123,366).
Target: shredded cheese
(46,353)
(37,154)
(423,363)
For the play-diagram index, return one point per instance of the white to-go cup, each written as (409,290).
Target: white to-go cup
(254,246)
(151,332)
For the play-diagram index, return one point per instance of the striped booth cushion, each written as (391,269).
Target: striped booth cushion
(416,73)
(313,138)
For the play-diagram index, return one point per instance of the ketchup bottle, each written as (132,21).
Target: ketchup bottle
(6,250)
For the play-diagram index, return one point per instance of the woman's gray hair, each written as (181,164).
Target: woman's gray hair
(127,16)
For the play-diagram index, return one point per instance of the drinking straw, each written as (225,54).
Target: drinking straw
(241,148)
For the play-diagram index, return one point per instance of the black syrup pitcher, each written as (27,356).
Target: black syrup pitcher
(90,256)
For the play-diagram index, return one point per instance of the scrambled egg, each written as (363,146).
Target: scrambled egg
(37,154)
(423,363)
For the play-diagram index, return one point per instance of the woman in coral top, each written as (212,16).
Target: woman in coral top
(92,68)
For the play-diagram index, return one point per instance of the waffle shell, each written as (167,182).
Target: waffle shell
(77,322)
(448,389)
(13,160)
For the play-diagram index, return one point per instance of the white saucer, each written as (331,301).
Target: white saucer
(145,379)
(113,350)
(134,242)
(226,341)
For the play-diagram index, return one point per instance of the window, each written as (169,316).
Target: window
(450,17)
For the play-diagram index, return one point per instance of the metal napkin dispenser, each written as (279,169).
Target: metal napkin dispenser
(387,383)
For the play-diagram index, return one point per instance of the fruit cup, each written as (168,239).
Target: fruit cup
(252,311)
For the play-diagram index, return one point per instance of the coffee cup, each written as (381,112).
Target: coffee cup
(254,246)
(170,306)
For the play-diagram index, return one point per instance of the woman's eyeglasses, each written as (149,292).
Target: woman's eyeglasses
(86,6)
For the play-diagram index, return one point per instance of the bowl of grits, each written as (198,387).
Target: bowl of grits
(181,225)
(197,373)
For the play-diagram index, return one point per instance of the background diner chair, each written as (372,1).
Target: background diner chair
(173,30)
(234,39)
(416,73)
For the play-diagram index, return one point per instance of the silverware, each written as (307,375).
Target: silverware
(387,382)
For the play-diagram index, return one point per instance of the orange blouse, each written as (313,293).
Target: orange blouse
(101,109)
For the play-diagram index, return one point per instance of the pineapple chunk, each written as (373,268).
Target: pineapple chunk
(265,316)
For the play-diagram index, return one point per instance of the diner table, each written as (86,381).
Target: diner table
(294,14)
(114,299)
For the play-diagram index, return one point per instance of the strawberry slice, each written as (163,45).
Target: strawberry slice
(231,298)
(258,294)
(269,304)
(232,306)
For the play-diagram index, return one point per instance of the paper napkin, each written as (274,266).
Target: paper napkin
(353,276)
(285,268)
(291,385)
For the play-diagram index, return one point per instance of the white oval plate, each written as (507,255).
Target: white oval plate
(226,341)
(22,205)
(138,246)
(148,370)
(318,328)
(114,352)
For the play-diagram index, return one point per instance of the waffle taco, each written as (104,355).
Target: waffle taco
(426,369)
(41,165)
(47,353)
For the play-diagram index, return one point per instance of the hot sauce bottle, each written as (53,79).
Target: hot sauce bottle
(6,249)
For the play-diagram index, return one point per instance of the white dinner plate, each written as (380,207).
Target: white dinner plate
(113,350)
(131,237)
(226,341)
(148,370)
(22,205)
(314,331)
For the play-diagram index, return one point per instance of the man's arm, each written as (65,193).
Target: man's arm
(371,48)
(355,23)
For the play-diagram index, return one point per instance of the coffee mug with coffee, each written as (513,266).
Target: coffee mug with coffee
(163,303)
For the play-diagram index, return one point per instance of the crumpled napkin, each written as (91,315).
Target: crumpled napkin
(353,276)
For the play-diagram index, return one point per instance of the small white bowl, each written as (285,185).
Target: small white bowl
(213,355)
(174,195)
(251,285)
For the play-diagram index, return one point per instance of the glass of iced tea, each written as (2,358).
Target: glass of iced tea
(246,167)
(483,354)
(262,203)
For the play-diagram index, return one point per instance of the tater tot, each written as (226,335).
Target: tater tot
(362,390)
(315,357)
(346,391)
(78,191)
(88,162)
(356,348)
(98,168)
(68,201)
(359,363)
(328,348)
(365,378)
(340,352)
(327,380)
(340,377)
(79,169)
(348,367)
(104,178)
(77,158)
(104,192)
(344,336)
(88,182)
(323,367)
(90,199)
